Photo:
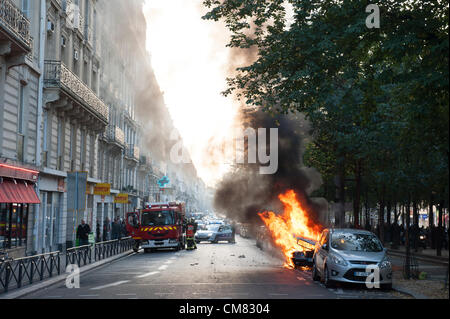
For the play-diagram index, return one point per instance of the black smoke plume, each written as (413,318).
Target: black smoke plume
(244,192)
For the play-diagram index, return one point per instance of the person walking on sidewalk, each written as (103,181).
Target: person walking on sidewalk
(83,233)
(106,229)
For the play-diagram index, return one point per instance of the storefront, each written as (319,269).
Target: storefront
(17,199)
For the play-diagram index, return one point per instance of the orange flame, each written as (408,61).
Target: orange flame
(292,223)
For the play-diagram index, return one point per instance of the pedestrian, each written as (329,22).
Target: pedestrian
(83,233)
(97,232)
(115,229)
(106,229)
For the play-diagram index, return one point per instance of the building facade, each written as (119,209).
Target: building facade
(72,76)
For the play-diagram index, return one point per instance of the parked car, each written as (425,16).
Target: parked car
(342,255)
(215,233)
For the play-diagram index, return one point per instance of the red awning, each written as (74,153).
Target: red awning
(19,193)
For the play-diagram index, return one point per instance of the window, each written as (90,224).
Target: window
(161,218)
(25,7)
(60,145)
(13,225)
(21,110)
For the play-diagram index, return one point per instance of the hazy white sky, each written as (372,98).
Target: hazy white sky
(190,61)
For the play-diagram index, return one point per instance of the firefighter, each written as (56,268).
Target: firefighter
(191,229)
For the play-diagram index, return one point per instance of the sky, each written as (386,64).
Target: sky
(190,62)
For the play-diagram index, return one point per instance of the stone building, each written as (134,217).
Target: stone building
(74,78)
(20,73)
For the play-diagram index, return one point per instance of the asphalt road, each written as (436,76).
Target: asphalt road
(213,271)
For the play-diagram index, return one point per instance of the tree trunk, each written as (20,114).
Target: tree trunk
(388,212)
(415,213)
(440,230)
(367,216)
(430,212)
(381,218)
(340,192)
(415,233)
(356,200)
(396,213)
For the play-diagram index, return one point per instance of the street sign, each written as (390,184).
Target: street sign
(163,182)
(102,189)
(121,199)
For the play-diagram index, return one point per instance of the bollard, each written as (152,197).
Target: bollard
(19,282)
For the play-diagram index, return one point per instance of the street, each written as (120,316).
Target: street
(213,271)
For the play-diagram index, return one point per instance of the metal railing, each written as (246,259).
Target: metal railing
(15,22)
(15,273)
(114,133)
(132,151)
(81,255)
(56,74)
(110,248)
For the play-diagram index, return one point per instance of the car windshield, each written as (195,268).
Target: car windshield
(213,227)
(161,218)
(356,242)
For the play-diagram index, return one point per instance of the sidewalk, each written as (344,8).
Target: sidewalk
(420,289)
(432,287)
(17,293)
(429,254)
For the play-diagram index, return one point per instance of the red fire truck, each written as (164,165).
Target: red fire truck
(158,226)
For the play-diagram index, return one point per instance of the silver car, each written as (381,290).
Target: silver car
(349,255)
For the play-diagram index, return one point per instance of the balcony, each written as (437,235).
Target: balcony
(58,76)
(14,30)
(115,136)
(132,152)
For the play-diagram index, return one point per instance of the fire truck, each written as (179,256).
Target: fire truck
(158,226)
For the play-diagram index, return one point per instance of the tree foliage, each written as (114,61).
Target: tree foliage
(377,99)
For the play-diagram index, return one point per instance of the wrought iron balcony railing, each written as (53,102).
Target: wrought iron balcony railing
(15,22)
(115,134)
(59,76)
(132,151)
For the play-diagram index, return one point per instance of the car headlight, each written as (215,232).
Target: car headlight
(338,260)
(385,263)
(422,237)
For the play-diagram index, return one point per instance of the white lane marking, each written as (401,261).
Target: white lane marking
(173,258)
(125,294)
(89,295)
(148,274)
(169,262)
(163,267)
(110,285)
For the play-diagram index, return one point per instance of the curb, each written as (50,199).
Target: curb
(409,293)
(50,282)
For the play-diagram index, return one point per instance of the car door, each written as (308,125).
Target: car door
(320,254)
(132,223)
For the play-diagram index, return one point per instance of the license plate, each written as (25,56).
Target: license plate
(361,274)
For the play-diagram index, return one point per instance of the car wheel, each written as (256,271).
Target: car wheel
(315,274)
(326,278)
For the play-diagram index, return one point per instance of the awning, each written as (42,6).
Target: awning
(19,193)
